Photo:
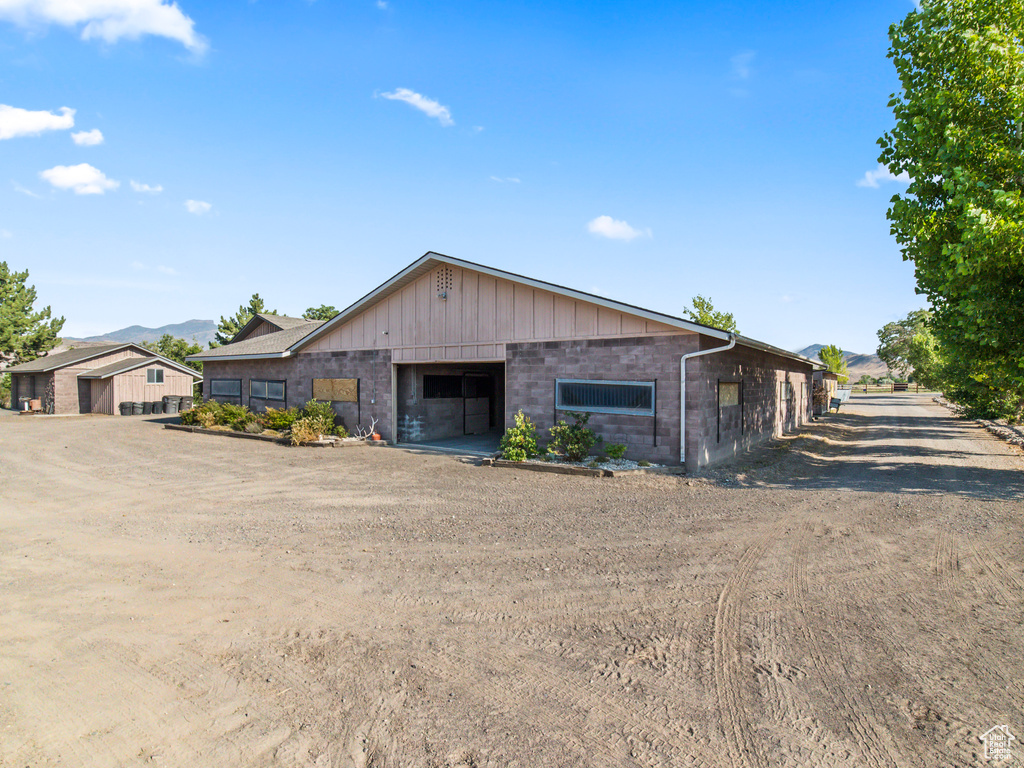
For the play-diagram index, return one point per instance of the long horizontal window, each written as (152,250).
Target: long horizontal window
(441,386)
(636,397)
(264,389)
(226,387)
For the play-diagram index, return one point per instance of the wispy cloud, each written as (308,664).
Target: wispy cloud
(155,189)
(26,192)
(424,104)
(508,179)
(606,226)
(198,207)
(382,4)
(6,234)
(82,178)
(881,175)
(108,20)
(742,64)
(88,138)
(15,122)
(138,266)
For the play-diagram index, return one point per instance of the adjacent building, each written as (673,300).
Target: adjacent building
(448,347)
(97,378)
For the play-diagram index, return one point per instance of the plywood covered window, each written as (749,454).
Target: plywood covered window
(728,394)
(635,397)
(264,389)
(155,376)
(336,390)
(226,387)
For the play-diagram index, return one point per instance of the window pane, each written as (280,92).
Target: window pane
(155,376)
(226,387)
(612,397)
(258,388)
(275,390)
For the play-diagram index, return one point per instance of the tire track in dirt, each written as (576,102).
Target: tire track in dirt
(947,566)
(875,741)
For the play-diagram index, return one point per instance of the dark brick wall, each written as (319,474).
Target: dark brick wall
(372,368)
(531,370)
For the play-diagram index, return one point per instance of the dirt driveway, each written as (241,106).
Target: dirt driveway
(854,597)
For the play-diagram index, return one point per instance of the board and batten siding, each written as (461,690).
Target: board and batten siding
(478,316)
(131,386)
(262,330)
(102,395)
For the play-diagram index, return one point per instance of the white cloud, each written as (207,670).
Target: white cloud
(741,64)
(27,192)
(424,104)
(6,233)
(156,189)
(606,226)
(198,207)
(382,4)
(88,138)
(880,175)
(108,20)
(82,178)
(509,179)
(15,121)
(166,270)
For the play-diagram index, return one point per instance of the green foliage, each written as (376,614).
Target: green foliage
(229,326)
(574,440)
(894,340)
(206,414)
(316,419)
(235,416)
(519,442)
(835,361)
(5,390)
(865,379)
(278,419)
(25,334)
(176,349)
(323,312)
(958,129)
(643,463)
(615,450)
(253,427)
(703,312)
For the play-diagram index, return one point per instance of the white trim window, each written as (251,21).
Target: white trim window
(154,375)
(591,396)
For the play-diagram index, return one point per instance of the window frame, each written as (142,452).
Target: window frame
(151,373)
(214,382)
(648,412)
(266,389)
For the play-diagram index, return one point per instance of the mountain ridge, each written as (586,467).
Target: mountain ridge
(202,331)
(857,364)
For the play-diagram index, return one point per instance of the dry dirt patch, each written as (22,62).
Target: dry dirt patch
(853,599)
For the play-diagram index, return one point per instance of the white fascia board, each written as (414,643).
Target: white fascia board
(261,356)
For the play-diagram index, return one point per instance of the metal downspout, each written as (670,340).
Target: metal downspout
(682,390)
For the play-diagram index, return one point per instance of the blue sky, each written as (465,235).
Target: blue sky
(646,151)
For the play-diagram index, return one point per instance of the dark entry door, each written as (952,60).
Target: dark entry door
(478,390)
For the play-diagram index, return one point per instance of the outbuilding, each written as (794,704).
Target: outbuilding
(448,348)
(98,378)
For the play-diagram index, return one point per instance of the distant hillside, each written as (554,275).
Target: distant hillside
(858,365)
(200,330)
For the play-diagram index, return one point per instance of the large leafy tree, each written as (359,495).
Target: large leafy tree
(323,312)
(229,326)
(894,340)
(704,312)
(25,333)
(835,361)
(176,349)
(959,136)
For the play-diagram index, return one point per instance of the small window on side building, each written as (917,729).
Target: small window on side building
(154,375)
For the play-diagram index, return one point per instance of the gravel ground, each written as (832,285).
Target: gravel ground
(853,596)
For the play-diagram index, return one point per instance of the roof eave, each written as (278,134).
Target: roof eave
(258,356)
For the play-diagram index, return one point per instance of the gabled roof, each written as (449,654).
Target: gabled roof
(268,345)
(70,357)
(430,260)
(130,364)
(281,322)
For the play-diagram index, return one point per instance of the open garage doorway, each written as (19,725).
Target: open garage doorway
(460,406)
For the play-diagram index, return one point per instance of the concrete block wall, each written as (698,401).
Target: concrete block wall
(532,368)
(421,419)
(767,409)
(371,367)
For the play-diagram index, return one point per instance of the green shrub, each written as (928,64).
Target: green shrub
(238,417)
(643,463)
(573,440)
(278,419)
(340,431)
(253,428)
(615,450)
(305,430)
(519,442)
(320,416)
(203,415)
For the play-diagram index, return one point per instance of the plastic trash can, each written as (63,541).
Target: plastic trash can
(158,406)
(126,408)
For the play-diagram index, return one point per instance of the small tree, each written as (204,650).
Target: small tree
(894,340)
(835,361)
(865,379)
(703,312)
(229,326)
(323,312)
(25,334)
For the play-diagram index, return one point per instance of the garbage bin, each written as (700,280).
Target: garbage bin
(171,403)
(158,406)
(186,403)
(136,409)
(147,407)
(126,408)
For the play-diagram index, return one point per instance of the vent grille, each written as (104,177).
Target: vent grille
(445,280)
